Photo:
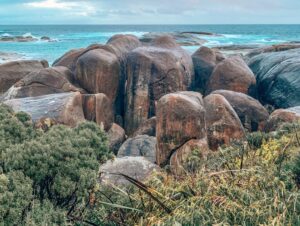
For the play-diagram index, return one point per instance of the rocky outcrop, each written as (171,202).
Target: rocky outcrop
(205,60)
(232,74)
(282,116)
(142,145)
(43,82)
(98,108)
(251,113)
(277,75)
(138,168)
(180,118)
(153,71)
(181,38)
(63,108)
(12,72)
(223,124)
(116,137)
(179,164)
(147,128)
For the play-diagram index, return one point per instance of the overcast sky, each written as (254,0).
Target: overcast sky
(149,11)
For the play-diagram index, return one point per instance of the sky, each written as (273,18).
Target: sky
(149,11)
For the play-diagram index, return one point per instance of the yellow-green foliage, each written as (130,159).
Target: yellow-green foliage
(237,186)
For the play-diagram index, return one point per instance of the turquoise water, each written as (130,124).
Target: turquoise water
(75,36)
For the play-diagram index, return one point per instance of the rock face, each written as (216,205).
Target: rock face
(281,116)
(147,128)
(178,161)
(205,60)
(116,136)
(223,124)
(43,82)
(98,108)
(153,71)
(232,74)
(277,75)
(180,118)
(251,113)
(97,71)
(63,108)
(138,168)
(142,145)
(12,72)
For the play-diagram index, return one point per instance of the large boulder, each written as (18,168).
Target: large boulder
(97,71)
(153,71)
(232,74)
(139,168)
(62,108)
(69,59)
(180,118)
(98,108)
(142,145)
(179,161)
(147,128)
(116,136)
(205,60)
(277,75)
(223,124)
(251,113)
(43,82)
(12,72)
(282,116)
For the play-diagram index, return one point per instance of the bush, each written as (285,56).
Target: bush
(47,176)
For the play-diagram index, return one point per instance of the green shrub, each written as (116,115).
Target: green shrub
(15,197)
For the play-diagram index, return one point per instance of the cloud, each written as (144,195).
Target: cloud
(53,4)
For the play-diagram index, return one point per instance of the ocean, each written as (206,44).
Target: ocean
(67,37)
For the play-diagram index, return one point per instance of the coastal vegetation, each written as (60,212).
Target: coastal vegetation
(50,178)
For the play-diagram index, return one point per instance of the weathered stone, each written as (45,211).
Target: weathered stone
(153,71)
(97,71)
(98,108)
(63,108)
(223,124)
(43,82)
(12,72)
(138,168)
(116,136)
(142,145)
(232,74)
(205,60)
(251,113)
(281,116)
(178,161)
(277,75)
(180,118)
(147,128)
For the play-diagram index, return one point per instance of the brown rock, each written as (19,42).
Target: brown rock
(153,71)
(97,71)
(251,113)
(46,81)
(232,74)
(223,124)
(116,137)
(281,116)
(98,108)
(205,60)
(62,108)
(180,118)
(178,161)
(12,72)
(147,128)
